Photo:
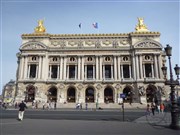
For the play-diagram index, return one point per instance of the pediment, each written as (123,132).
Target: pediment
(33,46)
(148,44)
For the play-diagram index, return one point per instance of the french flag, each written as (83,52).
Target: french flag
(95,25)
(80,25)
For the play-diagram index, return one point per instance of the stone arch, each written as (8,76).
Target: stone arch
(52,94)
(109,95)
(71,94)
(30,93)
(151,94)
(33,45)
(128,91)
(90,94)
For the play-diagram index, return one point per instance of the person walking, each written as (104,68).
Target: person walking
(148,109)
(22,107)
(162,108)
(153,109)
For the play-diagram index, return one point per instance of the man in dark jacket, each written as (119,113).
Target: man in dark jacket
(22,107)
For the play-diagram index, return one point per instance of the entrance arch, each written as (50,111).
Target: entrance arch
(52,94)
(71,95)
(90,95)
(129,94)
(108,95)
(30,93)
(151,94)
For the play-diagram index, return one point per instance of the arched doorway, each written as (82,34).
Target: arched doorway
(90,95)
(71,95)
(108,95)
(151,94)
(30,93)
(128,95)
(52,94)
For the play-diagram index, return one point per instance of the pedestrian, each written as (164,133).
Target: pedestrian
(148,109)
(22,107)
(153,109)
(16,105)
(162,108)
(86,105)
(55,105)
(158,108)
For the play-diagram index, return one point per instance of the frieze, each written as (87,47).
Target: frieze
(147,44)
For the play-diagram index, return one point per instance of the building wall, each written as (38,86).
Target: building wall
(110,56)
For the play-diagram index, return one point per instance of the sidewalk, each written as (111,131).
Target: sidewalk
(158,119)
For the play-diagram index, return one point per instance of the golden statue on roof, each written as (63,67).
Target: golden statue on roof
(141,27)
(40,28)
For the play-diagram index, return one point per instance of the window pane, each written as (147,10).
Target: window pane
(72,71)
(54,71)
(126,72)
(32,71)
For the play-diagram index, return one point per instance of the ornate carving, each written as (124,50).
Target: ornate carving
(98,44)
(80,86)
(33,46)
(89,42)
(147,44)
(99,86)
(106,42)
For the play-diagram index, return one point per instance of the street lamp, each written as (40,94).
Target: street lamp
(175,123)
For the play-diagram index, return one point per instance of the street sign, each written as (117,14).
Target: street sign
(122,95)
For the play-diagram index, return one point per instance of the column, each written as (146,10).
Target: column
(97,68)
(144,71)
(130,74)
(64,77)
(111,71)
(103,71)
(85,72)
(119,71)
(115,68)
(21,70)
(159,66)
(141,67)
(58,72)
(39,70)
(134,67)
(93,72)
(75,72)
(152,67)
(28,71)
(50,71)
(25,67)
(137,67)
(122,74)
(82,67)
(156,68)
(100,68)
(79,66)
(61,67)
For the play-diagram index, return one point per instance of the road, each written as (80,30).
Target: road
(72,114)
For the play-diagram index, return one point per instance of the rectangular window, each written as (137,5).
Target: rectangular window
(89,71)
(148,70)
(54,71)
(126,72)
(107,71)
(32,73)
(72,71)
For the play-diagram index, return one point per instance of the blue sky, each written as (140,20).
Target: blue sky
(63,17)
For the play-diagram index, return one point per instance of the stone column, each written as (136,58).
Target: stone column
(85,72)
(152,67)
(137,67)
(28,71)
(58,72)
(130,74)
(21,70)
(122,74)
(115,68)
(119,71)
(93,72)
(156,68)
(25,67)
(111,71)
(82,67)
(64,77)
(144,71)
(141,67)
(75,72)
(61,67)
(50,71)
(134,69)
(79,66)
(159,67)
(100,68)
(39,70)
(97,68)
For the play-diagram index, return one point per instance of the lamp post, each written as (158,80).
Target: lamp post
(175,119)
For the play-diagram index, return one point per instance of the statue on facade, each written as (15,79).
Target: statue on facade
(140,27)
(40,28)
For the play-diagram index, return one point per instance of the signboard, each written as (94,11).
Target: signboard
(122,95)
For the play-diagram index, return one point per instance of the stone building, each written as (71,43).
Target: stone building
(93,68)
(9,91)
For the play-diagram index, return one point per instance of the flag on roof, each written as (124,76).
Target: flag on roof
(95,25)
(80,25)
